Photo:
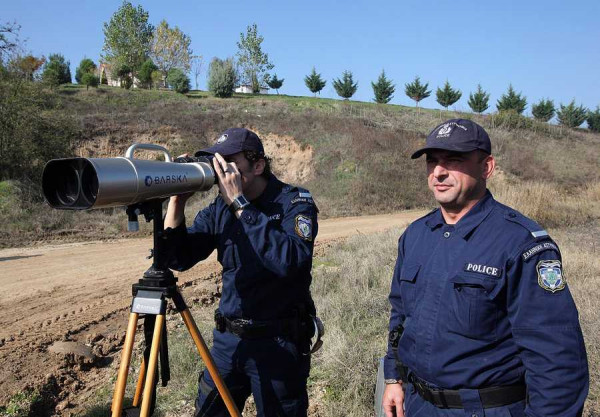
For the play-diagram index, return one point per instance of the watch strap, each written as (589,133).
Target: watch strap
(238,203)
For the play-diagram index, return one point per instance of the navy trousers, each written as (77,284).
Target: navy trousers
(273,370)
(416,406)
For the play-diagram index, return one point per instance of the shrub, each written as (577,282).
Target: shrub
(512,100)
(85,66)
(56,70)
(221,77)
(178,81)
(593,120)
(510,119)
(145,73)
(543,111)
(345,87)
(571,115)
(90,80)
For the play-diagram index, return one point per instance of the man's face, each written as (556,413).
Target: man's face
(249,170)
(457,178)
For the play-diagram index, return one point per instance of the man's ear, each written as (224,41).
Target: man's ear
(259,167)
(489,167)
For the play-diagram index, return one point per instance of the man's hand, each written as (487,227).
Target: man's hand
(393,400)
(175,210)
(230,179)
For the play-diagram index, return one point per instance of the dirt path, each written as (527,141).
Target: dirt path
(64,307)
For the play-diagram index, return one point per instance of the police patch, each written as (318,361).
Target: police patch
(550,276)
(304,227)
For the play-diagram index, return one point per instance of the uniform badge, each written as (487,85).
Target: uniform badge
(304,227)
(223,138)
(550,276)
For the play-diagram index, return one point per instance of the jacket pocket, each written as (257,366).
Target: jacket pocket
(473,309)
(408,287)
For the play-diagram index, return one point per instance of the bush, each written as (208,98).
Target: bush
(571,115)
(90,80)
(543,111)
(221,77)
(56,70)
(593,120)
(510,119)
(145,73)
(34,129)
(178,81)
(85,66)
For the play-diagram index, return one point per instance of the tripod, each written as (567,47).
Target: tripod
(150,297)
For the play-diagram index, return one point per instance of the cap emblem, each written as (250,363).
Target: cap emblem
(223,138)
(447,129)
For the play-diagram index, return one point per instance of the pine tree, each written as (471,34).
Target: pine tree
(512,101)
(593,120)
(346,87)
(571,115)
(314,82)
(478,101)
(447,96)
(543,110)
(275,83)
(417,91)
(383,89)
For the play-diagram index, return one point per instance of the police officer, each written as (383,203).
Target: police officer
(263,231)
(482,321)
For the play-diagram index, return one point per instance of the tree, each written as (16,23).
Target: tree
(90,79)
(103,79)
(127,37)
(222,77)
(145,73)
(478,101)
(512,100)
(593,120)
(178,81)
(383,89)
(124,74)
(197,64)
(27,66)
(275,83)
(9,39)
(447,96)
(346,87)
(544,110)
(86,65)
(314,82)
(157,78)
(253,62)
(571,115)
(56,70)
(417,91)
(171,48)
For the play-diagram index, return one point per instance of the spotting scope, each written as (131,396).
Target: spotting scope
(89,183)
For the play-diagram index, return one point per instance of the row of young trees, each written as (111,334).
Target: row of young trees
(570,115)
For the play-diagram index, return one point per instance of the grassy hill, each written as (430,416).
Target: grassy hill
(359,155)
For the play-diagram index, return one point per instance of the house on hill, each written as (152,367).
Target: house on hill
(247,89)
(105,70)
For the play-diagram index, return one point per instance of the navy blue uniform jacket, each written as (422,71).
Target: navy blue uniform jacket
(482,306)
(266,254)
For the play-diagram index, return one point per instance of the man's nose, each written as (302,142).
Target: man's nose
(439,171)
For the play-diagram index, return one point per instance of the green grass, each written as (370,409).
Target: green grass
(21,404)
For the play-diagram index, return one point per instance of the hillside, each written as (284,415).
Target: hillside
(353,156)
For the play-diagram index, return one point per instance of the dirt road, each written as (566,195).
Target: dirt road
(64,307)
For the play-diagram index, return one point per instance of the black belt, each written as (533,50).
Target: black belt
(490,397)
(254,329)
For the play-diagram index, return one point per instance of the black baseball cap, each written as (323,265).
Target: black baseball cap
(234,140)
(457,135)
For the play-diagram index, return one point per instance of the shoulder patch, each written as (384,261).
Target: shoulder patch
(550,276)
(541,247)
(304,227)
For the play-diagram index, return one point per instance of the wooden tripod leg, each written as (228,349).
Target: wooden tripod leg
(210,363)
(152,363)
(140,384)
(117,404)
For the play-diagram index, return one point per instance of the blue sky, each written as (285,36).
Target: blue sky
(545,48)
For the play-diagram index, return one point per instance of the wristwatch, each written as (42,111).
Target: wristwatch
(238,203)
(392,381)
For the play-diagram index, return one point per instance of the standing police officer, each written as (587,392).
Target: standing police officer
(263,231)
(482,322)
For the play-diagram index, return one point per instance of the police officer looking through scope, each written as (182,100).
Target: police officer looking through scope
(482,322)
(263,231)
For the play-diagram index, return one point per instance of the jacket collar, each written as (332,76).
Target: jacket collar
(469,221)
